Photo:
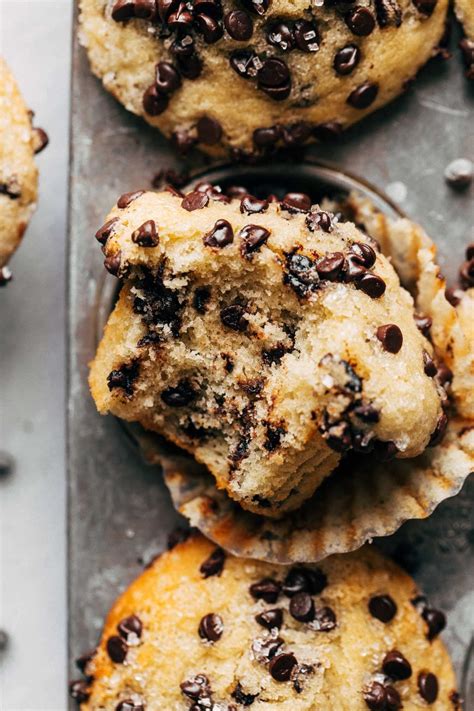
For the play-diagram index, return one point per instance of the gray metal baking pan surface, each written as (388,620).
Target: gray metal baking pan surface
(120,512)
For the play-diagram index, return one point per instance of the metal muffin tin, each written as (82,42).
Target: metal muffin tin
(120,512)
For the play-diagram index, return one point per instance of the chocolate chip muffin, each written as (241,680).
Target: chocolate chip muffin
(244,77)
(465,13)
(19,141)
(266,338)
(204,631)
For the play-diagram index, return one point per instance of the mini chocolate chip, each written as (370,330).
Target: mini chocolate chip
(360,21)
(371,284)
(123,10)
(428,365)
(252,238)
(180,395)
(250,204)
(245,63)
(266,137)
(113,262)
(438,434)
(127,198)
(196,688)
(40,140)
(130,705)
(302,607)
(382,607)
(239,25)
(297,202)
(301,579)
(266,589)
(320,220)
(306,36)
(330,266)
(214,565)
(221,235)
(423,323)
(324,619)
(396,666)
(154,102)
(211,627)
(346,59)
(130,626)
(146,235)
(167,78)
(382,698)
(428,687)
(280,35)
(233,316)
(259,7)
(270,619)
(436,621)
(282,665)
(242,697)
(117,649)
(79,691)
(426,7)
(363,95)
(209,130)
(104,232)
(363,254)
(195,201)
(391,337)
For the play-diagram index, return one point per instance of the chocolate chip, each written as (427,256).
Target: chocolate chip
(239,25)
(346,59)
(221,235)
(436,621)
(130,705)
(296,202)
(79,691)
(274,78)
(360,21)
(265,649)
(396,666)
(453,296)
(84,659)
(211,627)
(363,95)
(391,337)
(324,619)
(209,130)
(166,7)
(266,589)
(306,36)
(382,698)
(388,13)
(146,235)
(250,204)
(302,607)
(167,78)
(282,665)
(212,8)
(330,266)
(242,697)
(180,395)
(181,18)
(426,7)
(423,323)
(273,436)
(280,35)
(104,232)
(428,687)
(210,28)
(127,198)
(154,103)
(382,607)
(444,375)
(372,285)
(367,413)
(467,50)
(438,434)
(297,134)
(129,627)
(123,10)
(428,365)
(259,7)
(302,274)
(190,67)
(363,254)
(266,137)
(124,377)
(270,619)
(301,579)
(195,201)
(233,317)
(252,238)
(196,688)
(214,565)
(320,220)
(40,140)
(466,274)
(328,131)
(117,649)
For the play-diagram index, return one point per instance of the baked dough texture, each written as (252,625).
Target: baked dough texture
(260,343)
(241,78)
(203,631)
(18,172)
(465,13)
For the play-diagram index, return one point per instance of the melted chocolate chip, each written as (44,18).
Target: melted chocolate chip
(146,235)
(296,202)
(253,237)
(79,691)
(117,649)
(363,95)
(324,619)
(382,607)
(250,204)
(320,220)
(302,607)
(330,266)
(382,698)
(214,565)
(266,589)
(220,236)
(196,688)
(180,395)
(301,275)
(211,627)
(391,337)
(239,25)
(266,649)
(270,619)
(367,413)
(372,285)
(438,434)
(104,232)
(396,666)
(209,130)
(129,627)
(346,59)
(167,79)
(436,621)
(195,201)
(242,697)
(301,579)
(360,21)
(282,665)
(127,198)
(273,436)
(233,317)
(124,377)
(428,687)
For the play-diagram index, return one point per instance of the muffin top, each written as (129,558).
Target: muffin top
(244,77)
(205,631)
